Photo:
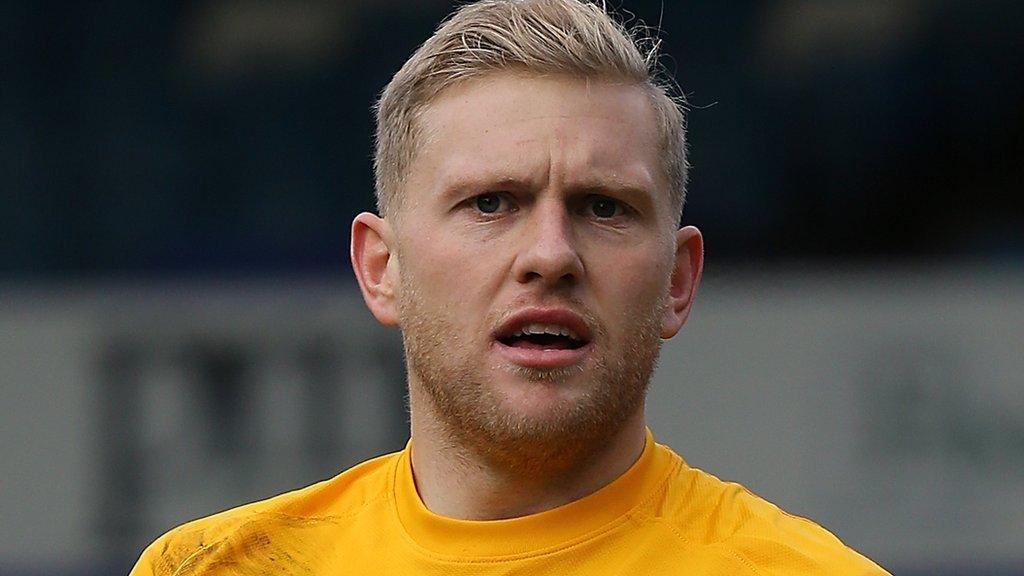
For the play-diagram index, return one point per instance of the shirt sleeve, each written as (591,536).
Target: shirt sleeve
(144,566)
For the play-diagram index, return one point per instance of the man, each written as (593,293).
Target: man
(530,178)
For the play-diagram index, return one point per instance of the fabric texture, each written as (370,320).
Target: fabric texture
(660,517)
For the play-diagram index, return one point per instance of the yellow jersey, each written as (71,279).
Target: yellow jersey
(660,517)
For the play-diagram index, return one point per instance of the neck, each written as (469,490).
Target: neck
(454,481)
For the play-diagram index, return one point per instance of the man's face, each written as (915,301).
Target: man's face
(534,249)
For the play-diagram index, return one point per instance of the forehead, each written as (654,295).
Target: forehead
(534,128)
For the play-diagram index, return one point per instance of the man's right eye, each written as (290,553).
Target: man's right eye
(488,203)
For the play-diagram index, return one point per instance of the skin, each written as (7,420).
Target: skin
(583,224)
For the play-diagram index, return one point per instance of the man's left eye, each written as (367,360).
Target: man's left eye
(488,203)
(603,207)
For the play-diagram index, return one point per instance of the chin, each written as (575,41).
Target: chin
(556,376)
(542,395)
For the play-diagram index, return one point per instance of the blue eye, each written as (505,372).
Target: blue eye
(605,207)
(488,203)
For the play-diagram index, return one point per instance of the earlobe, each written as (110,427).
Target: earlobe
(372,261)
(689,264)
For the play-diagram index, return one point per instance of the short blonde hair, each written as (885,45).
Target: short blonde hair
(573,37)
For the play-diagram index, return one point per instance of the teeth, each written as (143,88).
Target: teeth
(552,329)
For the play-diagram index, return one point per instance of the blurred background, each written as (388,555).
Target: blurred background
(180,331)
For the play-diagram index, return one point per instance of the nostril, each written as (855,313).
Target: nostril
(553,262)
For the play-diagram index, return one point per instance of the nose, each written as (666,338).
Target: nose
(548,250)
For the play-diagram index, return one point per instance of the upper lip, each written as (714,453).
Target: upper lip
(561,317)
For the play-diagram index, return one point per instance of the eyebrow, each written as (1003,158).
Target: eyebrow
(483,182)
(508,181)
(637,191)
(612,184)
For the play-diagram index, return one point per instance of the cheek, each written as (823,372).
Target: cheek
(633,275)
(450,279)
(632,293)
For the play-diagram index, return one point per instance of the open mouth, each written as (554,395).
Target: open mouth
(537,336)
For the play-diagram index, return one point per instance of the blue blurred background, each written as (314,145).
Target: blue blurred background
(180,332)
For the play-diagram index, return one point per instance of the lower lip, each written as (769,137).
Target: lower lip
(543,358)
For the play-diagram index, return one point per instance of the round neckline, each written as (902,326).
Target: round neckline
(532,534)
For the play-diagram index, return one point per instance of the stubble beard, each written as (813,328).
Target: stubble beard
(476,418)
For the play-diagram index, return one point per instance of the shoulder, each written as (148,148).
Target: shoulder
(261,527)
(726,518)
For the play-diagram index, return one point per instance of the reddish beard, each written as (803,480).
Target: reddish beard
(447,369)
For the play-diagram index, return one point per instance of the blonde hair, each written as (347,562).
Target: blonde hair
(573,37)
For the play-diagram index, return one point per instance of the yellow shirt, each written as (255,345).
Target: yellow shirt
(660,517)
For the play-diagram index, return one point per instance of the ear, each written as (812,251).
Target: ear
(375,267)
(685,278)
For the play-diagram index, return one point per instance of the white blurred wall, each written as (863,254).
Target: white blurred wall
(887,405)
